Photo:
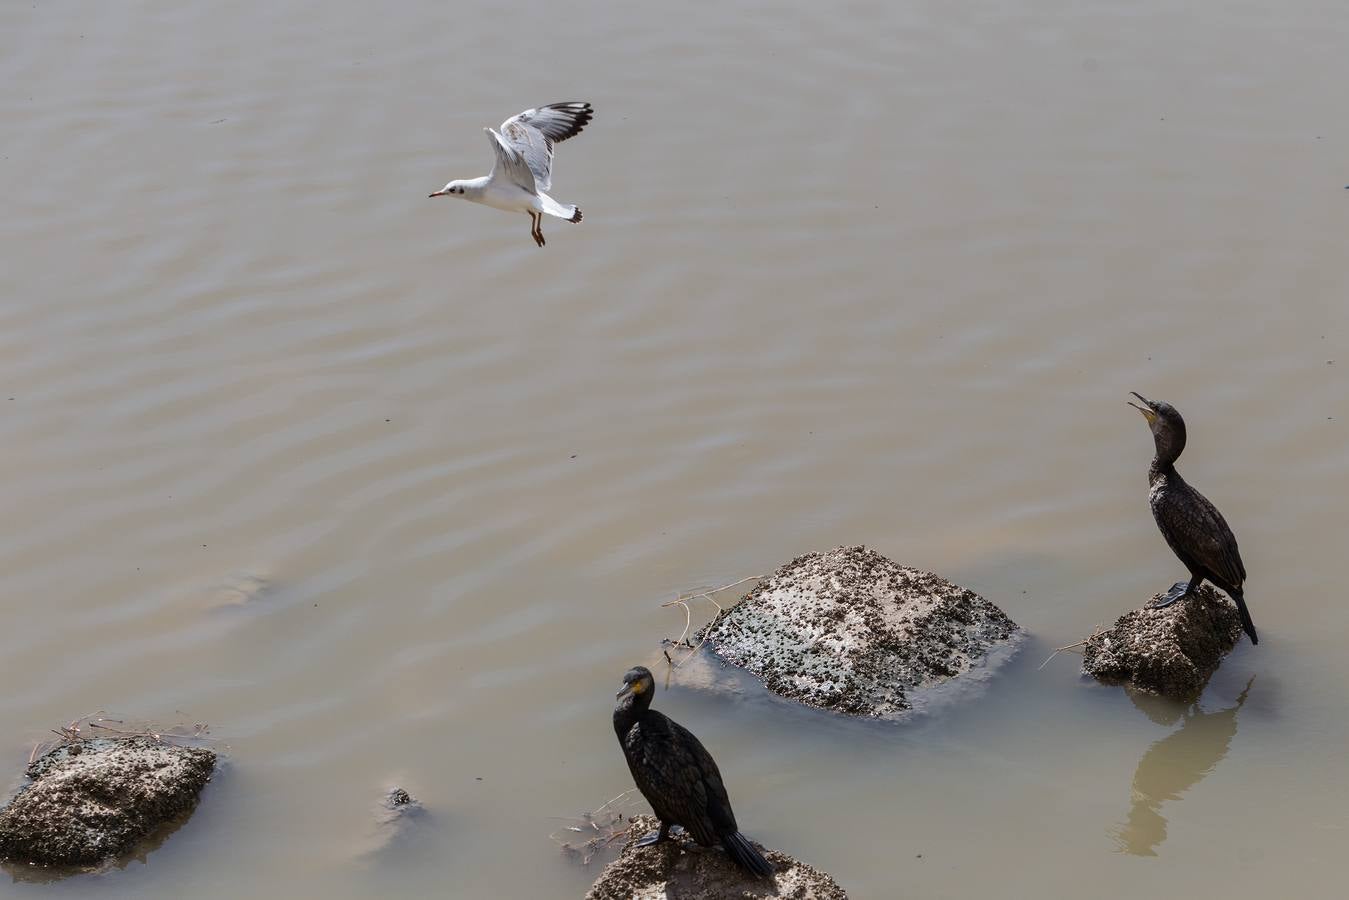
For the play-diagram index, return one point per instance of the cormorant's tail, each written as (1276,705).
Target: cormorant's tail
(745,856)
(1246,624)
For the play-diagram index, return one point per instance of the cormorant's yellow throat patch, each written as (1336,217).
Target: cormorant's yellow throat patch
(638,687)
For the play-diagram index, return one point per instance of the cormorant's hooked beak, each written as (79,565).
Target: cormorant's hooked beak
(623,692)
(1145,409)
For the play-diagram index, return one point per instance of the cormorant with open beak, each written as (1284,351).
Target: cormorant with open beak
(1192,526)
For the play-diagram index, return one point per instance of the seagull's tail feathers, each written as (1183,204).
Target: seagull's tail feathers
(553,208)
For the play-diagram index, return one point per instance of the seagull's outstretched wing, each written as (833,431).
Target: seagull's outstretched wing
(533,132)
(511,162)
(556,121)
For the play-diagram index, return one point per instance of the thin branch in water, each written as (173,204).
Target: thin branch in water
(688,619)
(1097,632)
(606,825)
(682,600)
(607,803)
(98,722)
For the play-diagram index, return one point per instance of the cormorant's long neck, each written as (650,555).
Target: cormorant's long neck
(628,712)
(1169,446)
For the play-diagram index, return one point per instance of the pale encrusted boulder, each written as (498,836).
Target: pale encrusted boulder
(852,631)
(90,800)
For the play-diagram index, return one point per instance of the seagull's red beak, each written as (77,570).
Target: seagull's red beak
(438,194)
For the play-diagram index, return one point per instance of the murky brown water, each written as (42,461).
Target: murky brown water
(385,494)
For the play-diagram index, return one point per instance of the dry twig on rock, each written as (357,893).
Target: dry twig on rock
(683,600)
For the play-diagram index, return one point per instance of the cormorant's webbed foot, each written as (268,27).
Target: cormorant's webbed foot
(1178,590)
(656,837)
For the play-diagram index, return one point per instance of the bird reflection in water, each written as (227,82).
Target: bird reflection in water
(1173,765)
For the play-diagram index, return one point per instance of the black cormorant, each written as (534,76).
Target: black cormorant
(1193,527)
(677,775)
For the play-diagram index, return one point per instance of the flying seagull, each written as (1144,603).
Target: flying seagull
(524,165)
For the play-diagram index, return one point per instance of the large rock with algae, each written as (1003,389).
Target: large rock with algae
(851,631)
(91,800)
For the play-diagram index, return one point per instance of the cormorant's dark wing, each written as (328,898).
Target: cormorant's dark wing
(678,777)
(718,803)
(1200,535)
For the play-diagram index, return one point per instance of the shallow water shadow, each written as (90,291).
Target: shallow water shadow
(399,832)
(1173,765)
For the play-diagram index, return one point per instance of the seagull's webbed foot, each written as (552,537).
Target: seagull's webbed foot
(1178,591)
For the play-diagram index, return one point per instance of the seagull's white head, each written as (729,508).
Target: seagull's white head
(454,188)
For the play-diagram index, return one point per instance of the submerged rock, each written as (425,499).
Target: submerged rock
(239,590)
(94,799)
(854,632)
(681,870)
(398,825)
(1170,651)
(396,810)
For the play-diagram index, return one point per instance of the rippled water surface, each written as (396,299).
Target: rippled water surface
(387,495)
